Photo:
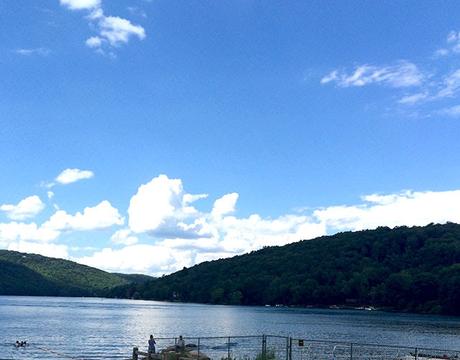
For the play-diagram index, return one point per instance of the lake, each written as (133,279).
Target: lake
(88,328)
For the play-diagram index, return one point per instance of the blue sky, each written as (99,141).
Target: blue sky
(303,118)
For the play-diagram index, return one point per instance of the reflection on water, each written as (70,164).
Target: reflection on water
(92,327)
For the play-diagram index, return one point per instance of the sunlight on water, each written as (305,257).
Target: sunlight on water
(92,328)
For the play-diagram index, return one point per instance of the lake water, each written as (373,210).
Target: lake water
(89,328)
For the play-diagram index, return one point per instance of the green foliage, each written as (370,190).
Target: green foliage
(30,274)
(268,355)
(405,269)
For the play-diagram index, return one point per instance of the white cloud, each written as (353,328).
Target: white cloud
(42,239)
(453,111)
(124,237)
(453,45)
(101,216)
(225,205)
(430,86)
(161,208)
(26,208)
(408,208)
(159,203)
(165,232)
(118,31)
(155,203)
(450,85)
(441,88)
(414,98)
(69,176)
(147,259)
(35,51)
(80,4)
(112,31)
(51,250)
(16,231)
(137,11)
(402,74)
(94,42)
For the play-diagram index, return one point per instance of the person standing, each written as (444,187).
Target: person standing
(180,344)
(152,344)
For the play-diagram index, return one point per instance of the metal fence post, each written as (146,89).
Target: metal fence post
(228,349)
(198,357)
(135,356)
(287,348)
(290,349)
(351,351)
(416,353)
(264,347)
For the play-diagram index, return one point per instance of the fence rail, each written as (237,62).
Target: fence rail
(274,347)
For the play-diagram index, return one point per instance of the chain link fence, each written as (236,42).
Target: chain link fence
(260,347)
(272,347)
(304,349)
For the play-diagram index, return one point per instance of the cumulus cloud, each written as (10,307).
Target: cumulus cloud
(408,208)
(17,231)
(116,31)
(402,74)
(69,176)
(139,258)
(162,208)
(101,216)
(166,232)
(94,42)
(112,31)
(51,250)
(26,208)
(124,237)
(20,235)
(225,205)
(159,205)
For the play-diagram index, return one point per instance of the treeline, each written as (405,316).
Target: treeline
(30,274)
(413,269)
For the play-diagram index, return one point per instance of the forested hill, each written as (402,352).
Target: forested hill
(30,274)
(405,269)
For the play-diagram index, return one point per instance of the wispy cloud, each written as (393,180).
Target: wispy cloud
(33,51)
(452,111)
(413,98)
(410,83)
(401,74)
(441,87)
(112,31)
(452,45)
(137,11)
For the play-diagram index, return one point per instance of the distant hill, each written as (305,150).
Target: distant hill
(30,274)
(405,269)
(135,278)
